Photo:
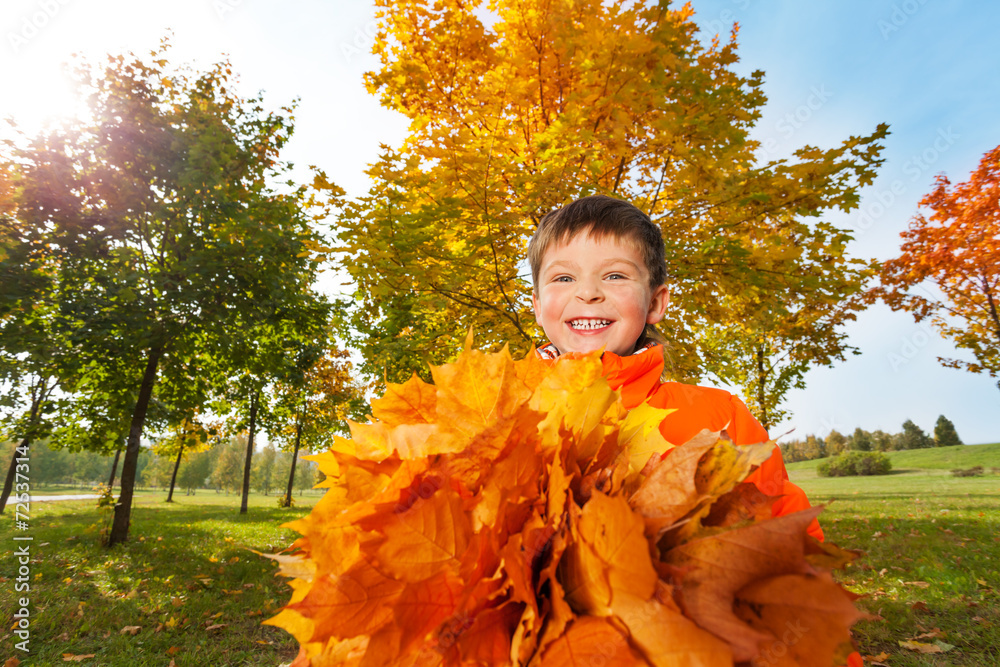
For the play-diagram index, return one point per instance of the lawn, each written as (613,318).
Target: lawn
(189,590)
(930,569)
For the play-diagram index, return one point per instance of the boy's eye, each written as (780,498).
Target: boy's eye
(562,279)
(616,276)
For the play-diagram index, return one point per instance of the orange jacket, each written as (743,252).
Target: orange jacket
(638,378)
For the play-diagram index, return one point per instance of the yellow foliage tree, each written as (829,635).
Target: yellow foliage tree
(547,100)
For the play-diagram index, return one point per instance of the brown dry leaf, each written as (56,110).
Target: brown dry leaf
(69,657)
(130,630)
(918,605)
(809,618)
(745,502)
(670,492)
(935,633)
(173,650)
(215,626)
(591,641)
(666,637)
(723,563)
(12,662)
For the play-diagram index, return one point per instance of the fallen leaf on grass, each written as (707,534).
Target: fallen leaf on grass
(917,584)
(933,634)
(919,605)
(215,626)
(924,647)
(173,649)
(130,630)
(69,657)
(12,662)
(877,659)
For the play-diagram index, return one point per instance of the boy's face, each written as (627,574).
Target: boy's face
(594,294)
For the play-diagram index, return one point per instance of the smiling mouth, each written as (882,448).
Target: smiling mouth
(588,324)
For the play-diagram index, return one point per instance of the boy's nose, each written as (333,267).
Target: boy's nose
(588,292)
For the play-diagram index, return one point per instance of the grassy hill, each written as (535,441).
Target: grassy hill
(936,458)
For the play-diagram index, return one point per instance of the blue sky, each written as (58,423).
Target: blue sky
(929,69)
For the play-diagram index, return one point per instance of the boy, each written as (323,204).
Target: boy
(598,269)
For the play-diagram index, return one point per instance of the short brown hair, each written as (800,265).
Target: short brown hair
(601,216)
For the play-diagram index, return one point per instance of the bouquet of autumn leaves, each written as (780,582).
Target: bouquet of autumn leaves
(514,513)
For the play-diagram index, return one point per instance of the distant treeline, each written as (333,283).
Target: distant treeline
(911,437)
(219,468)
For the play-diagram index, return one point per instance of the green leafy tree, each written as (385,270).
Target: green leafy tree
(945,434)
(165,213)
(196,471)
(913,437)
(228,463)
(557,100)
(312,407)
(881,441)
(262,475)
(860,440)
(186,437)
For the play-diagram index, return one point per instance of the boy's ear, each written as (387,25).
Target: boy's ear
(534,303)
(658,303)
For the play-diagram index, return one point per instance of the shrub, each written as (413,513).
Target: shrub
(974,471)
(855,463)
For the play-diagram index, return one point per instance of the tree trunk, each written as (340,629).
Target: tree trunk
(246,463)
(36,405)
(9,482)
(295,456)
(173,478)
(761,390)
(123,508)
(114,468)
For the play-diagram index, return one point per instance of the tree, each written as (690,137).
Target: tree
(227,469)
(164,213)
(955,252)
(881,441)
(29,346)
(835,443)
(263,469)
(913,437)
(186,437)
(945,434)
(311,408)
(813,448)
(556,100)
(860,440)
(195,473)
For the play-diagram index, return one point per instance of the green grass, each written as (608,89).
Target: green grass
(931,553)
(935,458)
(931,565)
(188,566)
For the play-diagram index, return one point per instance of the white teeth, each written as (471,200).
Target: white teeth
(589,324)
